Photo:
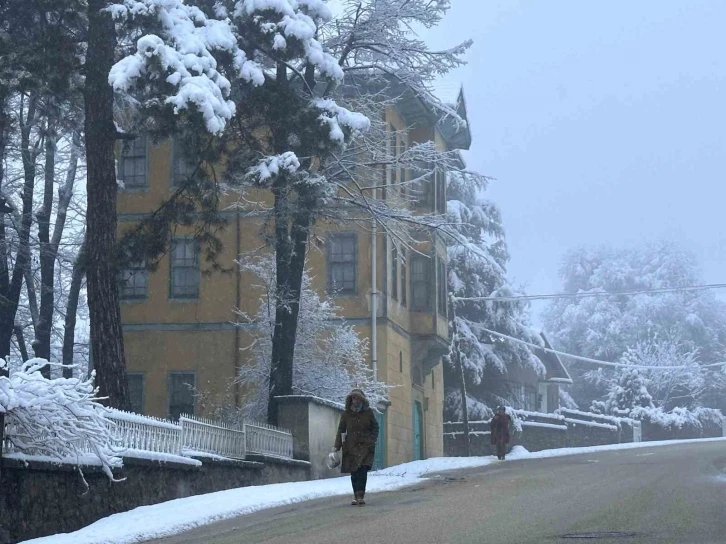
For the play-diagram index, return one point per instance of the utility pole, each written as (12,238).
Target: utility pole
(460,373)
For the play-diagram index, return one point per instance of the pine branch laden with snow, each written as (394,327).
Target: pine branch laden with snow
(182,58)
(477,268)
(192,56)
(57,418)
(330,357)
(453,407)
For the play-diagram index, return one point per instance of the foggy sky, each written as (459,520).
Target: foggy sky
(603,122)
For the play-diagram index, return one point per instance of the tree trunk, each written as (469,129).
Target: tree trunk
(290,247)
(103,303)
(20,337)
(455,353)
(69,333)
(49,247)
(9,299)
(41,345)
(32,296)
(4,209)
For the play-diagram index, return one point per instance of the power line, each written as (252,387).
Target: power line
(587,359)
(593,294)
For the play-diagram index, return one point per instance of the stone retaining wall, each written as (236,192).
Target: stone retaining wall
(38,498)
(567,428)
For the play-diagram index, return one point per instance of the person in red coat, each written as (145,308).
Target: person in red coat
(499,426)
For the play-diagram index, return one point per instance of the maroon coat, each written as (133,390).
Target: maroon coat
(499,426)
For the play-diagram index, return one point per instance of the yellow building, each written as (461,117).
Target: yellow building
(181,330)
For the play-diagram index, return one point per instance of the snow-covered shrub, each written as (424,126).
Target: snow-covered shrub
(330,357)
(58,418)
(627,391)
(666,395)
(679,417)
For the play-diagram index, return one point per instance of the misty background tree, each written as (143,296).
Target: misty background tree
(607,327)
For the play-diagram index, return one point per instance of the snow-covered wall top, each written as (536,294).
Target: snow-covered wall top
(315,400)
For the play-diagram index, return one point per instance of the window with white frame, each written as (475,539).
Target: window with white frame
(440,189)
(524,396)
(342,262)
(403,188)
(426,187)
(185,272)
(442,286)
(180,393)
(183,165)
(394,273)
(133,164)
(421,283)
(133,281)
(404,285)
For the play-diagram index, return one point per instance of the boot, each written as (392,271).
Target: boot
(361,498)
(354,502)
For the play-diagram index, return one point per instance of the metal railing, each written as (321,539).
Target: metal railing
(190,435)
(264,439)
(202,435)
(134,431)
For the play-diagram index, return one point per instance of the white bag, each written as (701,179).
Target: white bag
(334,459)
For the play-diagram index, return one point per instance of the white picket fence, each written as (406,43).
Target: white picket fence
(264,439)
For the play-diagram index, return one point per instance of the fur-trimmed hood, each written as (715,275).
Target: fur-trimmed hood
(359,393)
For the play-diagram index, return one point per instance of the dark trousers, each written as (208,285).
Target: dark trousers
(359,479)
(501,448)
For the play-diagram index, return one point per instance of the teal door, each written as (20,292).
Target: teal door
(379,460)
(418,438)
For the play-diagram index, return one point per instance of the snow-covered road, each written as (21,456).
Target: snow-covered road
(173,517)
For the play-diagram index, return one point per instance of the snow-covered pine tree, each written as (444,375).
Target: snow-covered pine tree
(477,268)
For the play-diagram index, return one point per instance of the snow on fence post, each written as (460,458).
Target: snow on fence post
(637,431)
(201,435)
(264,439)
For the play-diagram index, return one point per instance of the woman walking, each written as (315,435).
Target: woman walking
(360,427)
(499,426)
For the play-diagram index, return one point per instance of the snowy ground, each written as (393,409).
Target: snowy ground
(172,517)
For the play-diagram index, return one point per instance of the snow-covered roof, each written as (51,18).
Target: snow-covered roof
(416,110)
(556,371)
(448,92)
